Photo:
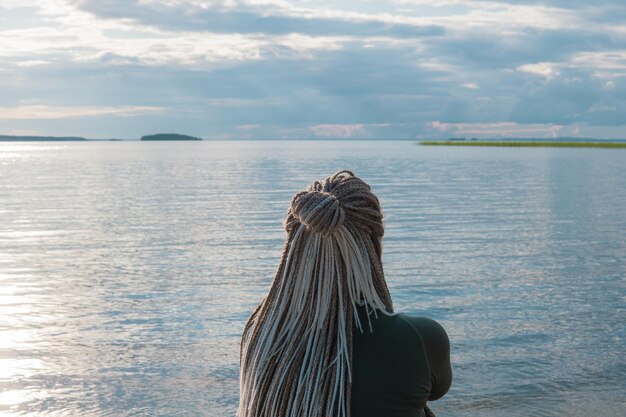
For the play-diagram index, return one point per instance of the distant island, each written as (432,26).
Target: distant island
(159,136)
(169,136)
(9,138)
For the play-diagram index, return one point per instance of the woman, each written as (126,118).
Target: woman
(325,341)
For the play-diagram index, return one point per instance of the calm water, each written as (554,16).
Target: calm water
(127,270)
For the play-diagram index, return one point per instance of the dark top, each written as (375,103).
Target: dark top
(401,365)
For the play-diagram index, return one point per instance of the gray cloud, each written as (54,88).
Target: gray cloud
(483,50)
(574,96)
(573,4)
(416,77)
(249,19)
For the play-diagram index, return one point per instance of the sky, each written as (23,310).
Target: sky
(325,69)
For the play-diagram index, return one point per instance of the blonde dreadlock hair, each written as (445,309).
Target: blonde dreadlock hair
(296,348)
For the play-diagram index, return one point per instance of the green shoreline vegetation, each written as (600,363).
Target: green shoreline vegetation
(525,144)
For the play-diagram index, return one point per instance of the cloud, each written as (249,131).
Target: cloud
(321,131)
(575,96)
(42,112)
(315,69)
(544,69)
(337,131)
(499,129)
(31,63)
(573,4)
(186,49)
(270,18)
(606,64)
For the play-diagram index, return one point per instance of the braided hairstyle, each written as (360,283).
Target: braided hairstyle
(296,348)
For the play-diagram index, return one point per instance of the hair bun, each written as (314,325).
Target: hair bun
(319,211)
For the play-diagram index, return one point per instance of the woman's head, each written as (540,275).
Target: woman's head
(296,348)
(337,200)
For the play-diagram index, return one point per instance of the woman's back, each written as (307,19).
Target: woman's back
(300,354)
(398,366)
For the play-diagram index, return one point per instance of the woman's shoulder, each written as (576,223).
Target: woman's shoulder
(437,346)
(426,327)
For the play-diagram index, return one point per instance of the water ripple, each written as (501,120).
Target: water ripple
(127,270)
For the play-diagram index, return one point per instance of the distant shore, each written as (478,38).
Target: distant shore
(11,138)
(156,137)
(524,144)
(513,142)
(169,136)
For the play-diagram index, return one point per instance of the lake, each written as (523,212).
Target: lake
(128,269)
